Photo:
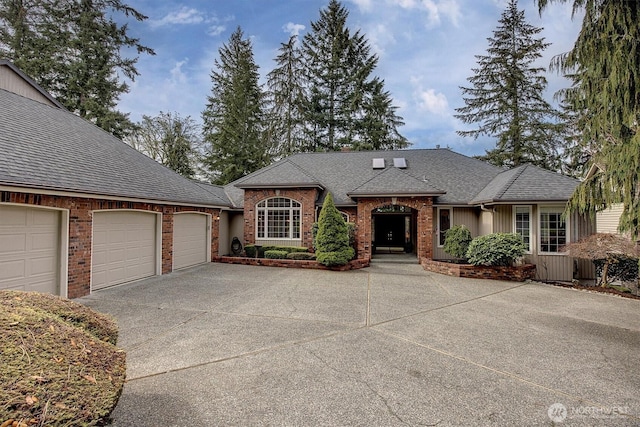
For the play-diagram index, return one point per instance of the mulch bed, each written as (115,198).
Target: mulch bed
(598,289)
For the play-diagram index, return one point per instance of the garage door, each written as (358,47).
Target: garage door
(124,247)
(190,239)
(29,249)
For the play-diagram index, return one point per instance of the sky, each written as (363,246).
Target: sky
(426,51)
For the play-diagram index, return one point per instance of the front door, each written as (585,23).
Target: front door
(390,231)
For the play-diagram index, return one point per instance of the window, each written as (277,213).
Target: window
(345,216)
(278,218)
(522,224)
(444,224)
(553,229)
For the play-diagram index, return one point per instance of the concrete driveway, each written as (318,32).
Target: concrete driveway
(388,345)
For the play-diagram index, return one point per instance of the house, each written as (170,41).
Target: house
(81,210)
(406,200)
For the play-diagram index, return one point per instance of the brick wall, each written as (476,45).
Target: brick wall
(517,273)
(305,196)
(81,230)
(424,208)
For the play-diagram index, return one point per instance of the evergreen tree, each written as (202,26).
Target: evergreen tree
(73,49)
(170,140)
(605,96)
(332,241)
(233,116)
(506,97)
(285,124)
(339,67)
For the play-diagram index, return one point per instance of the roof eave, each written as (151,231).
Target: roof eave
(279,186)
(396,194)
(65,192)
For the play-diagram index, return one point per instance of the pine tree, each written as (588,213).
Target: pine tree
(74,50)
(285,124)
(233,117)
(605,67)
(506,97)
(339,111)
(170,140)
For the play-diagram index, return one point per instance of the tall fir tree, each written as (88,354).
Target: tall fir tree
(605,67)
(75,50)
(506,98)
(339,67)
(233,118)
(286,94)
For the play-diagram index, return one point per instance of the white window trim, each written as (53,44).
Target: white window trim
(266,209)
(531,241)
(567,225)
(450,208)
(345,216)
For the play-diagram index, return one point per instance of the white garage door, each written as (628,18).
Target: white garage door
(29,249)
(190,239)
(124,247)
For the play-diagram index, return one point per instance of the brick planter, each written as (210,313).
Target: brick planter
(292,263)
(518,273)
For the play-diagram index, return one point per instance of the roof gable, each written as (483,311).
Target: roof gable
(14,80)
(394,181)
(283,173)
(527,183)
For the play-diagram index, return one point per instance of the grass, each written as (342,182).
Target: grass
(59,364)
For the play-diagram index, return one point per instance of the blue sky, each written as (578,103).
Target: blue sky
(426,51)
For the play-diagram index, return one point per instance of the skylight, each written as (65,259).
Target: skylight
(400,162)
(378,163)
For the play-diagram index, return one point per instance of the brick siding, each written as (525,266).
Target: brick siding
(81,230)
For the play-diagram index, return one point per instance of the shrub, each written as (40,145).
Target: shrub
(250,251)
(275,254)
(58,364)
(351,229)
(499,249)
(332,239)
(456,241)
(301,256)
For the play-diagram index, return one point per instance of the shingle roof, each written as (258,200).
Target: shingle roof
(443,170)
(50,148)
(527,183)
(394,181)
(283,173)
(459,179)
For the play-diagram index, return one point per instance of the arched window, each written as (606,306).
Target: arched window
(278,218)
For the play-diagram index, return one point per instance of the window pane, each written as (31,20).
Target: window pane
(523,225)
(444,223)
(553,233)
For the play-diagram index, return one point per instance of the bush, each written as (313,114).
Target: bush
(456,241)
(275,254)
(332,239)
(301,256)
(351,229)
(499,249)
(58,364)
(250,250)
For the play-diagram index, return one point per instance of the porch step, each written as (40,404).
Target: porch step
(397,258)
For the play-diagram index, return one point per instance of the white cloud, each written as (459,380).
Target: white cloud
(431,101)
(216,30)
(177,75)
(436,9)
(184,16)
(364,5)
(293,29)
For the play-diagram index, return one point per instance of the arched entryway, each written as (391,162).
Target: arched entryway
(393,229)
